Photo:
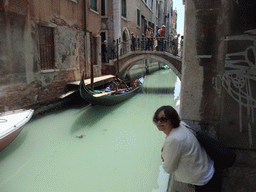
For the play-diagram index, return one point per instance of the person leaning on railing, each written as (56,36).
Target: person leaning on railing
(182,154)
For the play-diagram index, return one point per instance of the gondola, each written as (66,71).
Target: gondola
(11,124)
(108,97)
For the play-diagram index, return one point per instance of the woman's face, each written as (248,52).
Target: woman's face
(162,123)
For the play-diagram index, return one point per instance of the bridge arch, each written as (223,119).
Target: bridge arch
(133,61)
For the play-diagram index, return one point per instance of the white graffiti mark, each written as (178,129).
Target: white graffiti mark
(240,78)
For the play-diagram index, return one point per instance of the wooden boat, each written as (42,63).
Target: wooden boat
(11,124)
(107,98)
(165,67)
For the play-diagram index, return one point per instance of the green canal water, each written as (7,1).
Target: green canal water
(120,150)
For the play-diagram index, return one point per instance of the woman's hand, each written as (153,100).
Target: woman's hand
(161,154)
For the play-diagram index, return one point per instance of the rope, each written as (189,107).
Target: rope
(3,120)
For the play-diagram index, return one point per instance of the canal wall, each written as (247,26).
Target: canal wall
(73,101)
(218,79)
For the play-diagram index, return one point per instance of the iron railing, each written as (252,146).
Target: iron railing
(140,44)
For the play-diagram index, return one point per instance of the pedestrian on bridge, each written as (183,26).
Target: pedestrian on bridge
(104,51)
(181,45)
(133,42)
(182,154)
(113,49)
(149,35)
(176,42)
(162,34)
(157,40)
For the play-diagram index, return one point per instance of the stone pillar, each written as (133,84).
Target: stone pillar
(192,72)
(218,69)
(117,18)
(218,79)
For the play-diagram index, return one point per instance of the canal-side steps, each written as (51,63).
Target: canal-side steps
(97,82)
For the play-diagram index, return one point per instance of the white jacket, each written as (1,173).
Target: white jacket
(185,158)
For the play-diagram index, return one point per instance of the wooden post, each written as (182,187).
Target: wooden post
(117,58)
(92,61)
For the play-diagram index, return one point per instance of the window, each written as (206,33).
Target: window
(103,8)
(157,9)
(93,5)
(124,8)
(46,47)
(138,17)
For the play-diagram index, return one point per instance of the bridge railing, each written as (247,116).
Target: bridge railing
(140,44)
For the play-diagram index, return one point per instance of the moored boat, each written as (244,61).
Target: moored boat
(11,124)
(165,67)
(109,97)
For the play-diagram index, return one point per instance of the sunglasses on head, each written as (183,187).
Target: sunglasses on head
(162,120)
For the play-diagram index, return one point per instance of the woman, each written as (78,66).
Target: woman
(182,154)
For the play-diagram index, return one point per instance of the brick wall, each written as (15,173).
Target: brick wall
(35,94)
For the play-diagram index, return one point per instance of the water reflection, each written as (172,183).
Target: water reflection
(91,115)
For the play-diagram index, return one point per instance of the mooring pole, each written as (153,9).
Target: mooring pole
(92,61)
(117,58)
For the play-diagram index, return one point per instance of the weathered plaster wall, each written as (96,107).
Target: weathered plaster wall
(93,19)
(12,44)
(219,64)
(22,82)
(219,79)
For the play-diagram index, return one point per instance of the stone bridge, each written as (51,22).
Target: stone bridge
(125,62)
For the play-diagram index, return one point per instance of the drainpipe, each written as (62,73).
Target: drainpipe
(117,59)
(85,30)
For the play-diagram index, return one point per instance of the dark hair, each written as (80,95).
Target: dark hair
(170,113)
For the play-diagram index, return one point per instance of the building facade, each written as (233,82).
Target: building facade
(121,18)
(174,23)
(44,45)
